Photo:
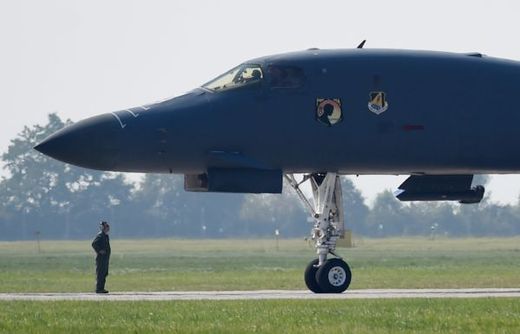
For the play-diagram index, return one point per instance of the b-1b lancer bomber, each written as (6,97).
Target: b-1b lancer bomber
(309,117)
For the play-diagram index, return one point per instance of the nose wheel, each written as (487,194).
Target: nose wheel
(325,206)
(310,277)
(333,276)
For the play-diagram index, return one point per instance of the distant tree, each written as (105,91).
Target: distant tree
(387,217)
(287,213)
(158,198)
(488,218)
(171,211)
(426,218)
(356,211)
(25,193)
(42,194)
(96,196)
(264,213)
(481,179)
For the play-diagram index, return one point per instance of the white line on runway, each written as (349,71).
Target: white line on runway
(266,294)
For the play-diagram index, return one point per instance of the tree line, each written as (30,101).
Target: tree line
(42,196)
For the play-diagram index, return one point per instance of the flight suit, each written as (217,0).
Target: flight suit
(101,243)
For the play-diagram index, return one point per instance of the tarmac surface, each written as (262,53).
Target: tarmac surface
(265,294)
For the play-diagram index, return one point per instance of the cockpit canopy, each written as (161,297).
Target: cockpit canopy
(285,76)
(278,76)
(241,75)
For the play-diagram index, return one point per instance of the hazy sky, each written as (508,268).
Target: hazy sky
(81,58)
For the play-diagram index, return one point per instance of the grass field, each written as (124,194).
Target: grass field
(158,265)
(319,316)
(154,265)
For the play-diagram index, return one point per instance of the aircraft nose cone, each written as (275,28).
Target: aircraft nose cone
(91,143)
(44,147)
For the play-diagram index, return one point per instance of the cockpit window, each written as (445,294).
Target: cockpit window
(286,76)
(239,76)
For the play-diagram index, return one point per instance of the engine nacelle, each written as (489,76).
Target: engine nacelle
(473,195)
(440,188)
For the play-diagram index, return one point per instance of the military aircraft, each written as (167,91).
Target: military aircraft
(309,117)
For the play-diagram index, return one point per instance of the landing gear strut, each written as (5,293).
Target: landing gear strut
(324,275)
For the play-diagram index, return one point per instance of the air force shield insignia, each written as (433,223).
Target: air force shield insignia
(377,102)
(328,111)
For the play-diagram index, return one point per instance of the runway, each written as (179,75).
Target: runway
(265,295)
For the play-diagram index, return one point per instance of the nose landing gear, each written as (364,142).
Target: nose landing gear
(324,275)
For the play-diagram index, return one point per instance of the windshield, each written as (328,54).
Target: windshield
(239,76)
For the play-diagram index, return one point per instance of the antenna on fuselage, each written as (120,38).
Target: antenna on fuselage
(362,44)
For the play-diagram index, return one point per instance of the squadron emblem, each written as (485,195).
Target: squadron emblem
(328,111)
(377,102)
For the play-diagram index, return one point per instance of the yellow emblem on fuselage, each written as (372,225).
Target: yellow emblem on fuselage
(377,102)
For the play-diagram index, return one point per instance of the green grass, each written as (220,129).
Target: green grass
(169,264)
(323,316)
(154,265)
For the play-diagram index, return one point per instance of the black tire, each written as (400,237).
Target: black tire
(334,276)
(310,277)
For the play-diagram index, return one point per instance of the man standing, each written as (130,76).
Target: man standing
(101,245)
